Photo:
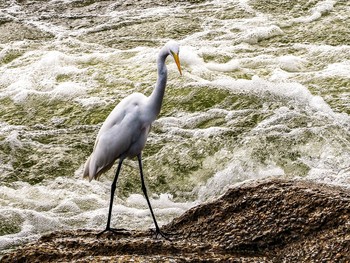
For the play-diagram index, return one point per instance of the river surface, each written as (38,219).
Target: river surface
(264,93)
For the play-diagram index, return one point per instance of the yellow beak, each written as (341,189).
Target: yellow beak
(177,61)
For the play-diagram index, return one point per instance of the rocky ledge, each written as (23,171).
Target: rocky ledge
(263,221)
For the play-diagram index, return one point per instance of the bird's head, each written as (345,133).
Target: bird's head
(174,49)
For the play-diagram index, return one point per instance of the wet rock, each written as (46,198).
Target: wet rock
(265,221)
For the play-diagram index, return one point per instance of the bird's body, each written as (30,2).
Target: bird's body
(115,139)
(124,132)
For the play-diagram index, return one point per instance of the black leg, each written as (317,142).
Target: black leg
(113,187)
(158,231)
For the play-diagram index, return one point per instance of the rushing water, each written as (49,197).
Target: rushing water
(265,92)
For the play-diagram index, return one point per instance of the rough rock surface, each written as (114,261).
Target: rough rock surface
(263,221)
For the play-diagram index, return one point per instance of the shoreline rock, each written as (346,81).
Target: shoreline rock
(263,221)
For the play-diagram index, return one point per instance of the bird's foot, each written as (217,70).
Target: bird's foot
(113,230)
(159,233)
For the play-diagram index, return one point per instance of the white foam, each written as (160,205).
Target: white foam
(321,8)
(164,201)
(239,169)
(185,124)
(190,57)
(232,65)
(13,8)
(13,140)
(341,69)
(291,63)
(246,6)
(69,203)
(90,102)
(256,34)
(39,76)
(68,90)
(292,90)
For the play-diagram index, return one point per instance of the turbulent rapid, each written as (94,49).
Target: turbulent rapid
(264,93)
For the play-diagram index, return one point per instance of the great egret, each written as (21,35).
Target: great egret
(124,132)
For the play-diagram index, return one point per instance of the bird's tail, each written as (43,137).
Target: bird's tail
(87,170)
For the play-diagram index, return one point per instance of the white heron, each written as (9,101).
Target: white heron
(124,132)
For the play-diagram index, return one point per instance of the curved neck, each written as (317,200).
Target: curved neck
(156,98)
